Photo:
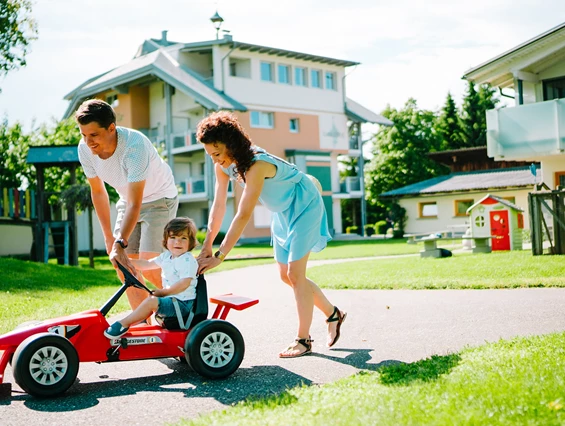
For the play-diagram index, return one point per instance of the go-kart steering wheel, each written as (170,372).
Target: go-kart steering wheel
(131,280)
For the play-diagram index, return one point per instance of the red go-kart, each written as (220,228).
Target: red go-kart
(45,355)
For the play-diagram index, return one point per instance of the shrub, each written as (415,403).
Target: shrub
(369,230)
(201,235)
(351,230)
(381,227)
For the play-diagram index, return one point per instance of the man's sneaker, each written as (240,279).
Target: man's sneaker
(115,331)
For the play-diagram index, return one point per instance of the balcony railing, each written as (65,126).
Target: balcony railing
(193,185)
(526,131)
(350,184)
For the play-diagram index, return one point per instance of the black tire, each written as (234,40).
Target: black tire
(214,349)
(45,364)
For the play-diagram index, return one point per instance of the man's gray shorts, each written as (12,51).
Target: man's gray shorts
(147,236)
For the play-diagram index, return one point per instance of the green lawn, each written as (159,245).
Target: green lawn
(463,270)
(517,382)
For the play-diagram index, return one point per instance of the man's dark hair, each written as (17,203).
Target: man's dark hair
(95,110)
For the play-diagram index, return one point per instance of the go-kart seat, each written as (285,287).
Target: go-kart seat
(198,313)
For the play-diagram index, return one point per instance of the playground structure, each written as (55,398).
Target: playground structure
(31,208)
(547,215)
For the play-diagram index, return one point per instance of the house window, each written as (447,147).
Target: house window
(267,71)
(315,78)
(554,89)
(560,179)
(293,125)
(240,67)
(461,207)
(262,119)
(330,81)
(112,100)
(284,74)
(427,210)
(300,76)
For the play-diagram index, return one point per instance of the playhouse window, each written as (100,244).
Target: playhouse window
(480,222)
(461,207)
(428,210)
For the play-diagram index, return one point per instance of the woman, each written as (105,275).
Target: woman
(299,223)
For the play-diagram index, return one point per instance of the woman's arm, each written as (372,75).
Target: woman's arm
(254,181)
(217,211)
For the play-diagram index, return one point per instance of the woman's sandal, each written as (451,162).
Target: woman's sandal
(307,343)
(340,318)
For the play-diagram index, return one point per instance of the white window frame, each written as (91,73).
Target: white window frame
(320,82)
(303,72)
(271,72)
(296,128)
(288,69)
(262,119)
(333,80)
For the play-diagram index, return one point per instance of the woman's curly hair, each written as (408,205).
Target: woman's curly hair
(223,127)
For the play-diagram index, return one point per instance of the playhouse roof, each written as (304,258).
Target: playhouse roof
(48,156)
(498,200)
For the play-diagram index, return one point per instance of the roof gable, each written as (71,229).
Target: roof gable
(489,197)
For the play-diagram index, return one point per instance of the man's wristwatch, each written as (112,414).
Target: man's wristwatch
(220,255)
(121,242)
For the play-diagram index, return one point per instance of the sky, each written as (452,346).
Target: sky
(407,48)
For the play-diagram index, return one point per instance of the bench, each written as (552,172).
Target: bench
(415,238)
(229,301)
(480,244)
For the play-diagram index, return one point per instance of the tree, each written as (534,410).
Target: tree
(400,153)
(17,30)
(449,126)
(473,116)
(14,145)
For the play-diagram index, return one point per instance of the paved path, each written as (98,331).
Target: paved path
(382,326)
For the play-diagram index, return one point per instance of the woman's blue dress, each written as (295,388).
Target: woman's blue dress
(299,222)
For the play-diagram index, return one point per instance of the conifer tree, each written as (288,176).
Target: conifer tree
(449,126)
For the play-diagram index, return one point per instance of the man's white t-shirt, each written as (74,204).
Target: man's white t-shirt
(134,160)
(175,269)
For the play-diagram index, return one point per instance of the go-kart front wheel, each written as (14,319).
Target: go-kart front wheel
(214,349)
(45,364)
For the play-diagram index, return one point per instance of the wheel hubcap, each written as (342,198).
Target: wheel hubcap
(48,365)
(217,349)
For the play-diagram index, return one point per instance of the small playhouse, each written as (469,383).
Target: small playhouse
(499,220)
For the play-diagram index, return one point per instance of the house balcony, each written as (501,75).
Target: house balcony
(350,187)
(526,132)
(354,150)
(182,141)
(194,189)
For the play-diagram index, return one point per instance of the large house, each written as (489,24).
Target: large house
(534,129)
(531,132)
(292,104)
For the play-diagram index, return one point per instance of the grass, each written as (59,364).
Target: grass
(516,382)
(462,271)
(37,291)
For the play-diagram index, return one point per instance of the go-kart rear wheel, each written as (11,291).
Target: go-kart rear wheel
(214,349)
(45,364)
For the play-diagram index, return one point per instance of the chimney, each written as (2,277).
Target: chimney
(164,36)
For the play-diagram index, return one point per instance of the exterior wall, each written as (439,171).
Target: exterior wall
(550,166)
(16,240)
(446,210)
(254,91)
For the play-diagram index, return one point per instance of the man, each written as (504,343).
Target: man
(126,160)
